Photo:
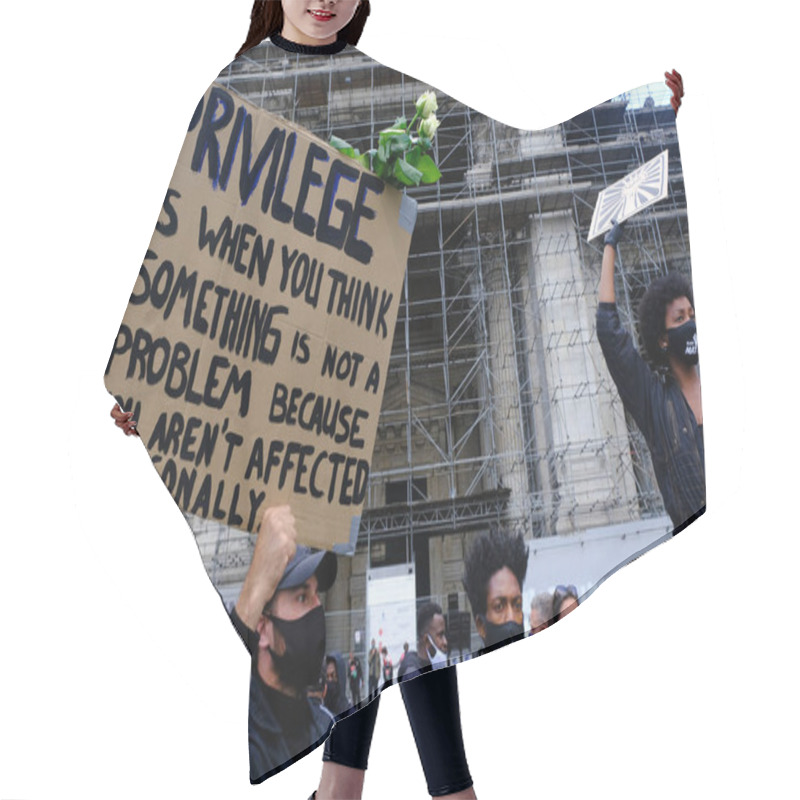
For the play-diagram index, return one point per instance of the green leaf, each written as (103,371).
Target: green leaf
(406,174)
(428,169)
(379,164)
(425,142)
(399,144)
(342,146)
(401,122)
(413,156)
(390,133)
(363,159)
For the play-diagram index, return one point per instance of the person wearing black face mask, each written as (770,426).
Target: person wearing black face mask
(665,404)
(494,573)
(333,696)
(281,620)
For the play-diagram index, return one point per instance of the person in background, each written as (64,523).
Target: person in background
(541,611)
(374,667)
(494,573)
(333,697)
(388,667)
(565,599)
(355,678)
(431,642)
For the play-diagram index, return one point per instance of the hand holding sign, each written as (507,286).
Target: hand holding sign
(674,82)
(636,191)
(124,420)
(275,547)
(615,234)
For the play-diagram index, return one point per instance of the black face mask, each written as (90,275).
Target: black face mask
(305,648)
(499,633)
(682,342)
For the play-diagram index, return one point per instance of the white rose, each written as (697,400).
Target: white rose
(429,126)
(427,105)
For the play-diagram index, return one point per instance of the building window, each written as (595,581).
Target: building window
(397,491)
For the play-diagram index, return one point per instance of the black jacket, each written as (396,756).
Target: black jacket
(281,729)
(664,417)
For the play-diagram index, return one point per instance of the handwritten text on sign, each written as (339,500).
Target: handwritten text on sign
(255,345)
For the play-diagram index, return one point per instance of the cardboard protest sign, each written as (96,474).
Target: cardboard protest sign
(255,345)
(630,195)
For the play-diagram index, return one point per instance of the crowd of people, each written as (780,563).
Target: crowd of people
(298,688)
(496,571)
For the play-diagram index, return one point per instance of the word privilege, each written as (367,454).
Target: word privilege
(225,130)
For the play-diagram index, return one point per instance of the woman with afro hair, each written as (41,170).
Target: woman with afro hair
(664,401)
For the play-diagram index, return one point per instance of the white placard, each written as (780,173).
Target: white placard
(630,195)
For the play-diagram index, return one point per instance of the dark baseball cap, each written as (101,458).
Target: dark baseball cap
(308,562)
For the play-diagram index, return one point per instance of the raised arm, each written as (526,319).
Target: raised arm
(275,547)
(634,380)
(606,293)
(675,83)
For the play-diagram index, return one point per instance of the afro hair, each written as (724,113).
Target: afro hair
(489,554)
(653,311)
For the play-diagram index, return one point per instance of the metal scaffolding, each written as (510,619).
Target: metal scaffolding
(498,407)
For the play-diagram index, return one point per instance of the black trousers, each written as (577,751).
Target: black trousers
(432,706)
